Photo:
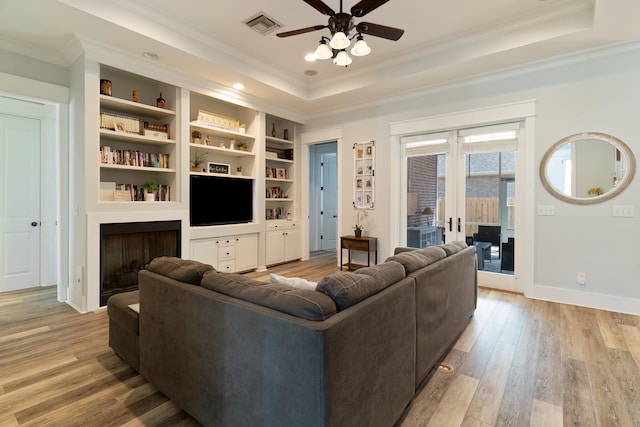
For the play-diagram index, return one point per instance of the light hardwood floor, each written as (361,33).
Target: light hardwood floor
(520,362)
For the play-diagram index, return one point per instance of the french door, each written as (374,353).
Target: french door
(461,186)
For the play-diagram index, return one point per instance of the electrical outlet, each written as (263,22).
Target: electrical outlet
(581,278)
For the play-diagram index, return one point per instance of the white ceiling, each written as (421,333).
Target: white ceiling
(444,41)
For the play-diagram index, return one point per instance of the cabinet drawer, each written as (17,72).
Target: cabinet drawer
(355,244)
(227,266)
(226,252)
(226,241)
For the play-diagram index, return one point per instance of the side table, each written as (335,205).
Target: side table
(353,243)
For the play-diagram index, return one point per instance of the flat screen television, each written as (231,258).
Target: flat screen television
(216,200)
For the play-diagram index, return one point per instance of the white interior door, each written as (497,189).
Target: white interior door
(19,202)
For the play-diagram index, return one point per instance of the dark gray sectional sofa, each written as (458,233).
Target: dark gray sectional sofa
(232,351)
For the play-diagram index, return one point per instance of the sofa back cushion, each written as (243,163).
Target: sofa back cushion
(419,258)
(349,288)
(454,247)
(303,303)
(183,270)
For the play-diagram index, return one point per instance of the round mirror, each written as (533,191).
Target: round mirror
(587,168)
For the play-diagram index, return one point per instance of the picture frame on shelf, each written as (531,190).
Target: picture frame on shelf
(221,168)
(281,173)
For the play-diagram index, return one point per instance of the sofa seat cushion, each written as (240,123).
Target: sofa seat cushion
(349,288)
(419,258)
(183,270)
(303,303)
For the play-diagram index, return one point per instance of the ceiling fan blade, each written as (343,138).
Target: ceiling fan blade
(320,7)
(301,31)
(379,30)
(365,6)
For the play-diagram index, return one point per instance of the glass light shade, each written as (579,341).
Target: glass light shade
(342,59)
(339,41)
(360,48)
(323,51)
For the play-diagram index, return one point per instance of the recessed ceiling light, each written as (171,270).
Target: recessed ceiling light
(238,86)
(151,55)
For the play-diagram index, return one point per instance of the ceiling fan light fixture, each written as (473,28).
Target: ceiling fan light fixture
(323,51)
(361,48)
(342,59)
(339,41)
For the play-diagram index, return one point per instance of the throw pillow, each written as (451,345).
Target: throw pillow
(294,282)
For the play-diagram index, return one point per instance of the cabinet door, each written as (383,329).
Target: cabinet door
(293,245)
(275,247)
(205,250)
(247,252)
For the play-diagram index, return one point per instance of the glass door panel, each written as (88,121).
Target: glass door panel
(426,179)
(490,209)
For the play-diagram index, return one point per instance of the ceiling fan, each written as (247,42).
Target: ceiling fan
(341,25)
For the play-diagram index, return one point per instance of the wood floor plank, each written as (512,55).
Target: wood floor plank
(631,335)
(544,414)
(578,403)
(485,404)
(547,387)
(455,402)
(610,330)
(515,407)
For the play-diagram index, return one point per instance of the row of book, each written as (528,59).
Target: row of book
(109,156)
(115,192)
(121,123)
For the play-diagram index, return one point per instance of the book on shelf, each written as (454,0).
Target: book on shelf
(110,156)
(117,192)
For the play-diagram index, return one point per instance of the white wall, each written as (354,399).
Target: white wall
(597,92)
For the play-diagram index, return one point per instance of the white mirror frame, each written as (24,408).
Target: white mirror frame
(619,188)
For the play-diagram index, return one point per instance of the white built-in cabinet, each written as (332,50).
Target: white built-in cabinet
(283,242)
(227,253)
(141,129)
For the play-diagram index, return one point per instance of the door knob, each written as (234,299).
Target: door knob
(34,224)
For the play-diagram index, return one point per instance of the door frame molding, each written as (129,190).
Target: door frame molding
(525,111)
(307,139)
(55,237)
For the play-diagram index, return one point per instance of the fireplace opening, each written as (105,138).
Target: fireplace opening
(127,248)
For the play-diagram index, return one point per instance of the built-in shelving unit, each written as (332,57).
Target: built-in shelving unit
(219,146)
(137,139)
(279,170)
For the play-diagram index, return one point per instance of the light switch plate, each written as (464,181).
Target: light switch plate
(624,211)
(546,210)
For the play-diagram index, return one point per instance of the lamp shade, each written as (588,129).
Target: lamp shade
(342,59)
(427,211)
(323,51)
(360,48)
(339,41)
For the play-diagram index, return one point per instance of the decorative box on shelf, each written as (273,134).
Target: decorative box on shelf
(218,121)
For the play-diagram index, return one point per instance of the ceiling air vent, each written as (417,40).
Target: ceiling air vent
(262,23)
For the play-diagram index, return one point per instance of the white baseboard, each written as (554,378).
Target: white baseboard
(585,299)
